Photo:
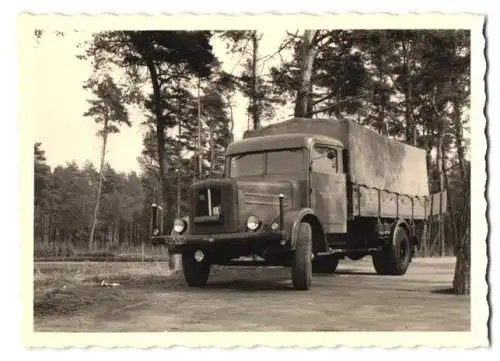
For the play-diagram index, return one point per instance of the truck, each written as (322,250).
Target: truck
(305,194)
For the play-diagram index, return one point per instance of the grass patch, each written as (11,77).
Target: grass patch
(54,249)
(56,252)
(67,288)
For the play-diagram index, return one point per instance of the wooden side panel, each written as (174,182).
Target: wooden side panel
(355,201)
(419,207)
(388,204)
(368,202)
(405,207)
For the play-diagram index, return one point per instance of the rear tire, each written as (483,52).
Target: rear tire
(302,258)
(195,273)
(394,259)
(325,264)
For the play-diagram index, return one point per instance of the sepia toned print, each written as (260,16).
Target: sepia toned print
(310,185)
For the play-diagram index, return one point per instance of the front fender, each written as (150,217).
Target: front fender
(292,220)
(400,222)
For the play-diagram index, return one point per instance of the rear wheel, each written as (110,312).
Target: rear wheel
(302,258)
(195,273)
(394,258)
(325,264)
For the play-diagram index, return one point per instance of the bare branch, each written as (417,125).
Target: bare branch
(296,35)
(323,98)
(345,100)
(282,47)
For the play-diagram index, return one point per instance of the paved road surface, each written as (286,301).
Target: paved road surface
(261,299)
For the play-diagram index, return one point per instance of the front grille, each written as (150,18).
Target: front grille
(208,202)
(213,208)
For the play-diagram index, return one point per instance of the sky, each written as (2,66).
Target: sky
(60,102)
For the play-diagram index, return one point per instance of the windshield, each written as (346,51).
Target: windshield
(290,161)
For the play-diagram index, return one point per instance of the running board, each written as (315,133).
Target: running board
(345,251)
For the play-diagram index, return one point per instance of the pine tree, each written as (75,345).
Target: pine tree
(107,109)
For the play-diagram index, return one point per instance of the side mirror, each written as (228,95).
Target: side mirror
(331,154)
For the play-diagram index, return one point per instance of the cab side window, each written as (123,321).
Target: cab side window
(321,162)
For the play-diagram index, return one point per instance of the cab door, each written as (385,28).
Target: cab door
(328,188)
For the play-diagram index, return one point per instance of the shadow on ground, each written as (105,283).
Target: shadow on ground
(250,286)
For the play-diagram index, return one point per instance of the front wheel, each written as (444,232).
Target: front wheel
(195,273)
(394,258)
(301,259)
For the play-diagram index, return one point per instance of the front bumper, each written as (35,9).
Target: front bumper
(177,243)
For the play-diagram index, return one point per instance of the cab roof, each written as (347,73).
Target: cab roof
(279,141)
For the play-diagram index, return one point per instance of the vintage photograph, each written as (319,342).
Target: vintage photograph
(285,178)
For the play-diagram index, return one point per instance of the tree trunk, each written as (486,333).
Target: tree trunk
(178,174)
(212,153)
(310,103)
(130,233)
(338,98)
(308,54)
(441,188)
(116,233)
(381,73)
(255,110)
(198,150)
(457,125)
(99,187)
(428,149)
(451,234)
(109,236)
(231,122)
(461,279)
(381,112)
(160,132)
(160,142)
(46,228)
(410,126)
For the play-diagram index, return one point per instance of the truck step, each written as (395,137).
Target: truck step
(344,251)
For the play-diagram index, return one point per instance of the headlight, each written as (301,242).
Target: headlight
(179,225)
(156,232)
(253,223)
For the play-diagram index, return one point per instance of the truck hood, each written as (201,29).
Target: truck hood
(260,198)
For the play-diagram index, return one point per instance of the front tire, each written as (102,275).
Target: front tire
(394,259)
(195,273)
(302,258)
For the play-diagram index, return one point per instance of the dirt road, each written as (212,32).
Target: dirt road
(260,299)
